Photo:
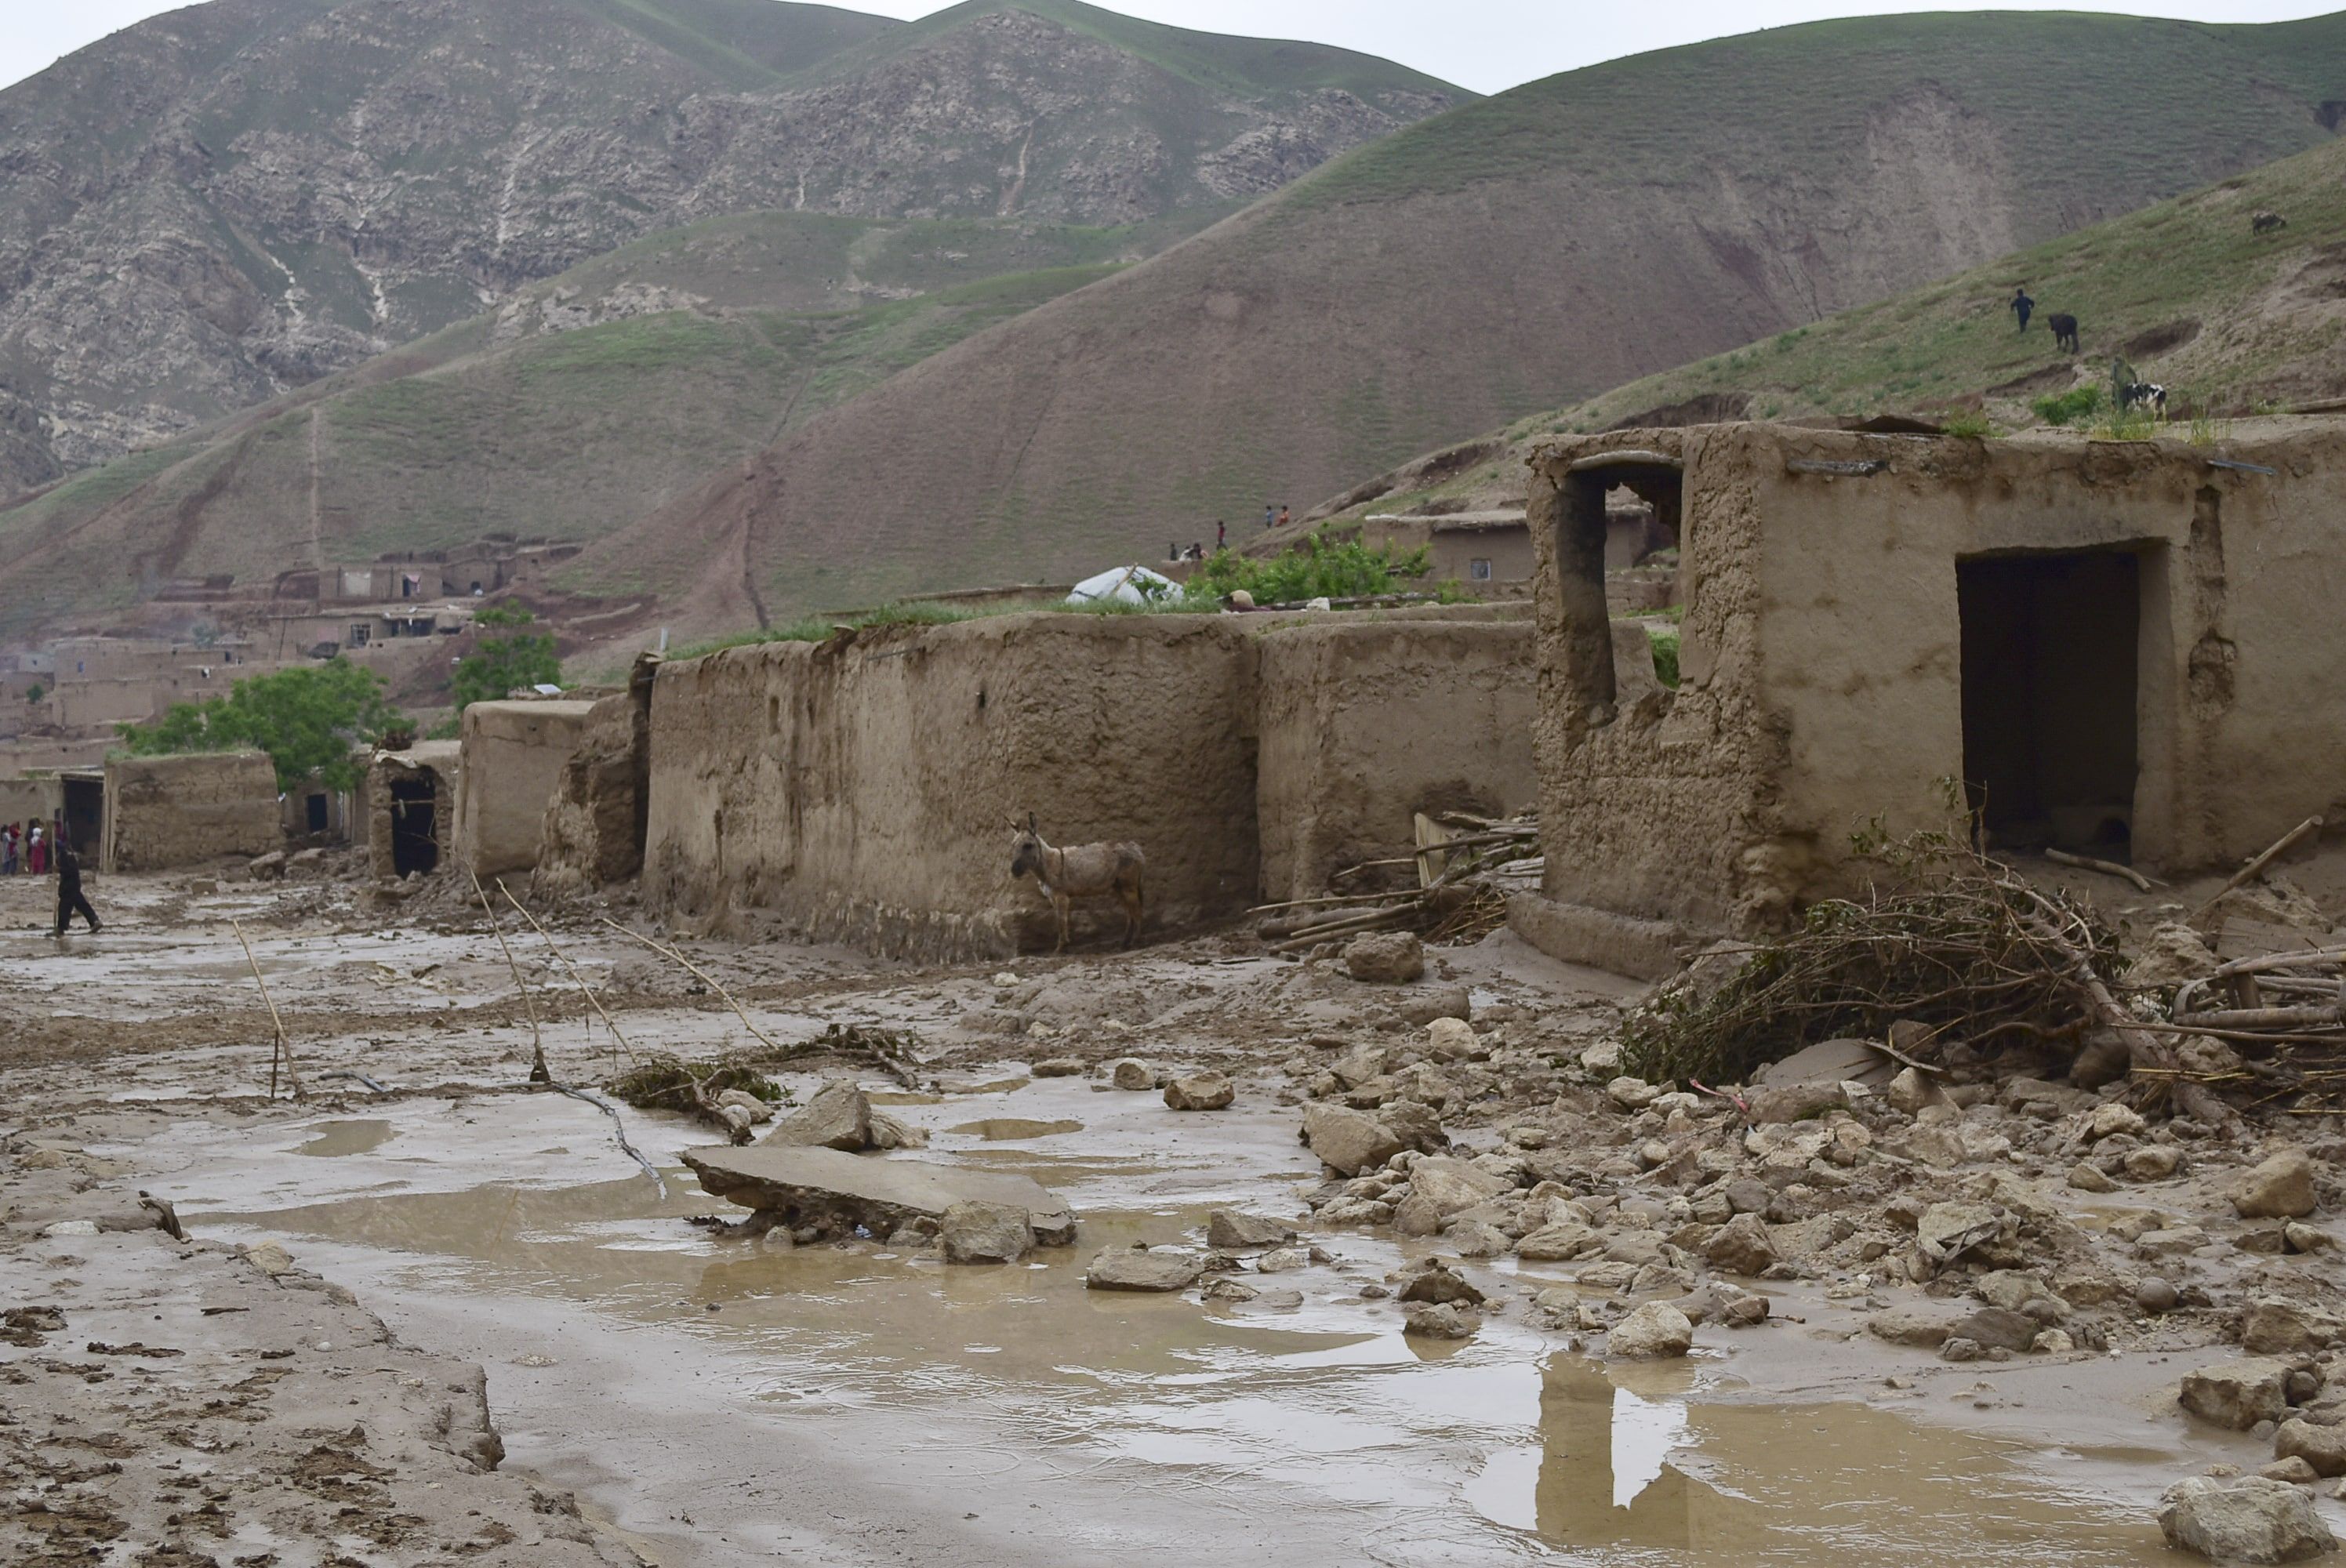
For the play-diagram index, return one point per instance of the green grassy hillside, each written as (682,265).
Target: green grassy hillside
(2230,321)
(1506,258)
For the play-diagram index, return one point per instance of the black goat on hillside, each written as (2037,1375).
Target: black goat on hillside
(2266,223)
(2065,332)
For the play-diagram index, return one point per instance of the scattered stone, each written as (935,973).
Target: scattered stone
(1061,1067)
(1947,1230)
(1282,1261)
(1438,1283)
(1923,1327)
(1133,1074)
(2294,1470)
(1200,1091)
(2274,1325)
(267,868)
(1451,1039)
(2089,1178)
(1741,1246)
(1909,1091)
(1557,1243)
(1229,1289)
(2236,1395)
(757,1110)
(268,1257)
(1385,957)
(1654,1329)
(1997,1327)
(1440,1322)
(1138,1269)
(1794,1102)
(2250,1519)
(1956,1348)
(2156,1295)
(2152,1162)
(1473,1238)
(1633,1093)
(2053,1342)
(1350,1141)
(812,1185)
(2323,1448)
(838,1116)
(2304,1237)
(2109,1120)
(1228,1231)
(2281,1187)
(1601,1058)
(985,1232)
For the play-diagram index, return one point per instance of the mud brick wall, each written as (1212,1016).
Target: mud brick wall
(1824,653)
(511,760)
(374,804)
(167,811)
(865,788)
(594,826)
(1366,721)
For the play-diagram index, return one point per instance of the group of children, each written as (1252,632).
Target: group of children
(21,848)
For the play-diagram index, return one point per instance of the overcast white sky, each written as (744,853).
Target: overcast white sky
(1485,45)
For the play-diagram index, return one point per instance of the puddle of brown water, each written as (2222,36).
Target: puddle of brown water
(336,1139)
(998,1129)
(1502,1441)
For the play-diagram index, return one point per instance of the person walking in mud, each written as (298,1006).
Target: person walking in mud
(70,898)
(2022,305)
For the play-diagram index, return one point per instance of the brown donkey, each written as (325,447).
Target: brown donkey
(1080,871)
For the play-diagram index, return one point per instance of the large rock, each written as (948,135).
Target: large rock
(1923,1327)
(1385,957)
(1439,1283)
(986,1233)
(1134,1269)
(2323,1448)
(1442,1322)
(1230,1231)
(823,1186)
(2237,1394)
(1656,1328)
(1452,1186)
(1997,1325)
(2243,1519)
(838,1116)
(1741,1246)
(1558,1243)
(1947,1230)
(2275,1326)
(1351,1141)
(1200,1091)
(2281,1187)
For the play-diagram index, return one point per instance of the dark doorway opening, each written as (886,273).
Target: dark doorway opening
(2049,659)
(316,807)
(414,838)
(85,813)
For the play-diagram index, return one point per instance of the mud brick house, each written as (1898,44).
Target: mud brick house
(2131,649)
(162,813)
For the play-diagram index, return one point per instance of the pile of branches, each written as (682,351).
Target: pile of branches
(665,1082)
(1466,865)
(1959,941)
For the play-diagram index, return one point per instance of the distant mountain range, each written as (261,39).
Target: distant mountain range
(758,415)
(231,200)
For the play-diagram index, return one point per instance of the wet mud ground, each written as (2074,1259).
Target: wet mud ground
(691,1399)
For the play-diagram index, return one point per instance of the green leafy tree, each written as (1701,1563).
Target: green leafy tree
(308,719)
(504,658)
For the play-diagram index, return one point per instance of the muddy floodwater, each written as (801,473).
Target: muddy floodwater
(720,1401)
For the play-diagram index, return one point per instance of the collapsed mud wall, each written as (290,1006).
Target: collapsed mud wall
(167,811)
(864,789)
(512,757)
(1365,722)
(594,826)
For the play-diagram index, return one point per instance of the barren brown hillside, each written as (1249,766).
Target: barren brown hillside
(1540,246)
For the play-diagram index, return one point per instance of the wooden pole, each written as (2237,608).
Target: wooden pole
(539,1073)
(2247,873)
(593,1000)
(283,1049)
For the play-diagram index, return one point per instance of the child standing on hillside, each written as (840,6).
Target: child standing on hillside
(2022,305)
(1282,517)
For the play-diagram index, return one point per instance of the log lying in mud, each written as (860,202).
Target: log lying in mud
(814,1185)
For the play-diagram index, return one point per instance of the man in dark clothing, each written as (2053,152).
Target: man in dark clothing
(2022,305)
(70,894)
(1221,535)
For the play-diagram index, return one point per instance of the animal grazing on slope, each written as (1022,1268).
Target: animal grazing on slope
(2065,332)
(1080,871)
(2143,394)
(2266,223)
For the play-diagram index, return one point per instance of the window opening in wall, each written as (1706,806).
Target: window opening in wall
(414,837)
(316,807)
(358,637)
(1479,570)
(2050,651)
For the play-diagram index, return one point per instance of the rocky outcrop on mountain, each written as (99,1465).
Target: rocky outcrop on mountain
(234,199)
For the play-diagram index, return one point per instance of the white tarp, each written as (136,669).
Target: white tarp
(1126,585)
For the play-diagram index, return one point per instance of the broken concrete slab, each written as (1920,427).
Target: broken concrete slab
(811,1184)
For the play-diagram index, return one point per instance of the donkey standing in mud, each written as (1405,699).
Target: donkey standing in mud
(1080,871)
